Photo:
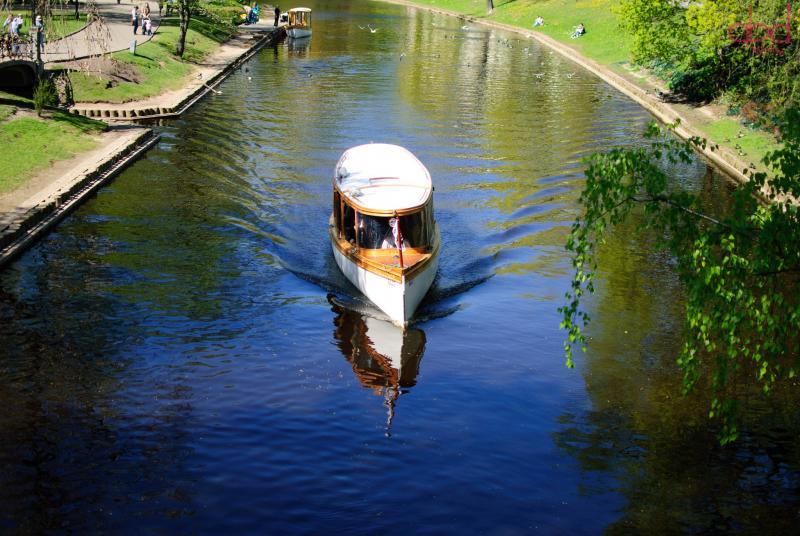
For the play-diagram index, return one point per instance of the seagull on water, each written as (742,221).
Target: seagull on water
(371,29)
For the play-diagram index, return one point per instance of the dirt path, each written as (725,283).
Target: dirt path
(112,34)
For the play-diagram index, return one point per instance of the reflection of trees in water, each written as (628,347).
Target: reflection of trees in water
(71,457)
(658,445)
(385,359)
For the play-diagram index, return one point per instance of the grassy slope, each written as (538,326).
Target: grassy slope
(160,70)
(604,42)
(29,144)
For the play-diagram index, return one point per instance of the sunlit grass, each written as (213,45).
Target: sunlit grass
(158,68)
(29,144)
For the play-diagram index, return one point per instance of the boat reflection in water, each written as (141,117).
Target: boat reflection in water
(299,46)
(384,357)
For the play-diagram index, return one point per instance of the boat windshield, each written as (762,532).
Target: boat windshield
(375,232)
(299,18)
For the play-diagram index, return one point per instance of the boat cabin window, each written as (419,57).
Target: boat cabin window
(337,213)
(374,232)
(417,228)
(348,224)
(299,18)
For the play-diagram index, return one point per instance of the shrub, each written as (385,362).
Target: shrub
(44,94)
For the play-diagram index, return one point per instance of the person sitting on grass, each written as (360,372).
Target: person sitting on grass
(538,22)
(579,31)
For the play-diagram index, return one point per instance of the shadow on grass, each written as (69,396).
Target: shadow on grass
(22,101)
(84,124)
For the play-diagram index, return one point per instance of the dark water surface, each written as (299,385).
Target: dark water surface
(182,355)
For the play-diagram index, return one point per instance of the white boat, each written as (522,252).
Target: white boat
(299,22)
(384,236)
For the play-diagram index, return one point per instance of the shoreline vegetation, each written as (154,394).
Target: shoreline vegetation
(610,48)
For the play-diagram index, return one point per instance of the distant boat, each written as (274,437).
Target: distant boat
(384,236)
(299,24)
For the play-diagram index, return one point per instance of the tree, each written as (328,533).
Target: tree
(185,12)
(743,49)
(740,270)
(489,6)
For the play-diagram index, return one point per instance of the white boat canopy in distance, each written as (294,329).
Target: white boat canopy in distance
(300,10)
(383,178)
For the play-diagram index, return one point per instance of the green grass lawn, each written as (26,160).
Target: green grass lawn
(755,144)
(62,24)
(158,68)
(29,144)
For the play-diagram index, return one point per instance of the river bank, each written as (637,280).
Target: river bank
(206,75)
(731,147)
(32,207)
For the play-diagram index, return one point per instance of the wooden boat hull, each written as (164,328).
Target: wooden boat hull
(298,32)
(398,299)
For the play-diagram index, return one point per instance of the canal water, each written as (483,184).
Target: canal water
(181,354)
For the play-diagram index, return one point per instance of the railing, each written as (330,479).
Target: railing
(14,47)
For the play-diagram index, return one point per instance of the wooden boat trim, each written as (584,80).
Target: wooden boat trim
(361,257)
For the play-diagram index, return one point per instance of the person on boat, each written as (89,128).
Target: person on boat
(277,15)
(392,236)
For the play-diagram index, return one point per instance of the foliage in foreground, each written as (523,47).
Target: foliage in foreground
(740,271)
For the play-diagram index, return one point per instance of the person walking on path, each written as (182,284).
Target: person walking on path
(39,24)
(135,18)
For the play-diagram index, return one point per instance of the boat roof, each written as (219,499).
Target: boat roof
(382,178)
(304,9)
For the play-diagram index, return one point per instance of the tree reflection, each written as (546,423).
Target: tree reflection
(659,446)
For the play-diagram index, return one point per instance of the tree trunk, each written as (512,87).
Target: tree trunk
(489,6)
(185,11)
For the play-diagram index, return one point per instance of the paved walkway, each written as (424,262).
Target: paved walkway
(114,32)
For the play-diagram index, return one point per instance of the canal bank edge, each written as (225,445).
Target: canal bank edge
(210,73)
(36,214)
(724,158)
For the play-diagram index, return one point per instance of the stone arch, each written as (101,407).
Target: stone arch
(17,75)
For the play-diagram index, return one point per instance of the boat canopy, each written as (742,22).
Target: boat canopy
(380,178)
(299,10)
